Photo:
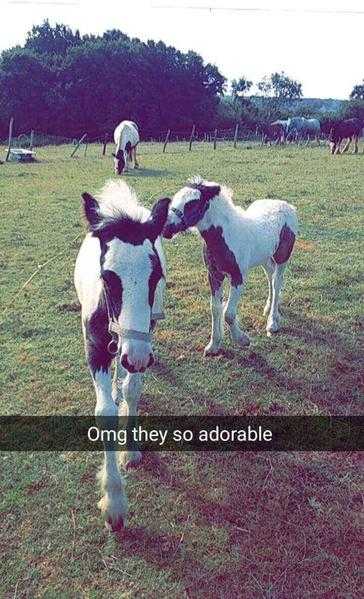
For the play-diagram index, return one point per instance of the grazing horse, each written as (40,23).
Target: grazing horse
(236,240)
(120,280)
(349,129)
(300,128)
(126,137)
(270,133)
(282,126)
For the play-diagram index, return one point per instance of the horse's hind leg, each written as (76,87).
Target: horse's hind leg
(346,147)
(269,270)
(273,322)
(132,388)
(237,335)
(356,139)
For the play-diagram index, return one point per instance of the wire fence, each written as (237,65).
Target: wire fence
(165,141)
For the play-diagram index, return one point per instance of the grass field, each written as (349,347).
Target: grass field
(250,525)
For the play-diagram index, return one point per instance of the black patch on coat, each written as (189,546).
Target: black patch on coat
(155,277)
(286,242)
(221,256)
(114,291)
(216,278)
(98,339)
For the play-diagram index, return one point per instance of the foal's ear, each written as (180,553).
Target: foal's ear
(209,191)
(158,218)
(91,209)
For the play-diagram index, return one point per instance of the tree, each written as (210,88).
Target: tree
(280,86)
(358,92)
(47,40)
(239,87)
(285,88)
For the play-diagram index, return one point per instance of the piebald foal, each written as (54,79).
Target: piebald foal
(120,280)
(236,240)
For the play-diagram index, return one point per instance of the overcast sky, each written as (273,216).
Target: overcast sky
(323,50)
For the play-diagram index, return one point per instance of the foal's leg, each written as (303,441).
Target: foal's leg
(273,322)
(113,504)
(132,388)
(216,281)
(135,157)
(269,270)
(237,335)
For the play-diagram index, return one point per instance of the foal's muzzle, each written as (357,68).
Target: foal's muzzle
(131,368)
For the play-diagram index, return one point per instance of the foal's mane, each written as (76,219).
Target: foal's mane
(118,203)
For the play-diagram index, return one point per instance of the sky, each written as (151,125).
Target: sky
(317,42)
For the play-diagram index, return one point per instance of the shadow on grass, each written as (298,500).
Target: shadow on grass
(333,388)
(273,519)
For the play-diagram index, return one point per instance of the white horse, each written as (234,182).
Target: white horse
(126,137)
(235,241)
(120,280)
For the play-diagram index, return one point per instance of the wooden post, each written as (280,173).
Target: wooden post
(78,144)
(236,134)
(215,138)
(166,140)
(104,144)
(11,123)
(191,137)
(31,140)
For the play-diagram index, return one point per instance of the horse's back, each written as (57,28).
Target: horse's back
(126,131)
(277,212)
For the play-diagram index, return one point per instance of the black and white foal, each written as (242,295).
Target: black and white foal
(235,241)
(120,280)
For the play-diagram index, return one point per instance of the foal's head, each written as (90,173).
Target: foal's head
(130,265)
(189,205)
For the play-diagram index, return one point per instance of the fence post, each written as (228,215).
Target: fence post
(166,140)
(215,138)
(31,140)
(11,123)
(104,144)
(236,134)
(78,144)
(191,137)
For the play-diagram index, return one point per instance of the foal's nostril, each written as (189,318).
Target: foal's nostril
(124,361)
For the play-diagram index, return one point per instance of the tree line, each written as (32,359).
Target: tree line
(62,83)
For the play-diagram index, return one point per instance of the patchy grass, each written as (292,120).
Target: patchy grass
(202,525)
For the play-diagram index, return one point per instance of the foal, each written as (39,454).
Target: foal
(120,280)
(235,241)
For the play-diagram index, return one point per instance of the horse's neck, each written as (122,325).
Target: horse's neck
(220,213)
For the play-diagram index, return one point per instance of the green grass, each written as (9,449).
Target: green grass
(201,525)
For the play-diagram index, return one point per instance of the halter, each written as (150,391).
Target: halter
(115,329)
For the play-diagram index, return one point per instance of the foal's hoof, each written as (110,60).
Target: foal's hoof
(115,526)
(211,350)
(242,341)
(272,331)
